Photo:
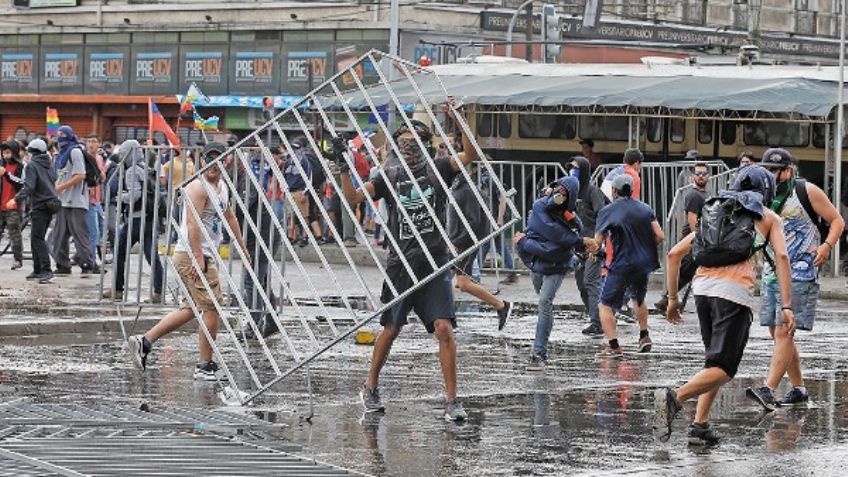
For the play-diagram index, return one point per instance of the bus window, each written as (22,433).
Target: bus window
(819,131)
(605,128)
(504,125)
(728,133)
(484,124)
(677,130)
(777,134)
(705,132)
(653,129)
(546,126)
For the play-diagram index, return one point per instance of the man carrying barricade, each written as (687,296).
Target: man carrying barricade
(433,302)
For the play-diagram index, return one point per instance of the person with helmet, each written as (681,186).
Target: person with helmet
(433,302)
(724,298)
(193,256)
(812,226)
(39,191)
(11,169)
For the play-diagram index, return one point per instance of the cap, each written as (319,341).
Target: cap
(37,146)
(214,147)
(692,155)
(777,158)
(623,183)
(588,142)
(755,178)
(298,142)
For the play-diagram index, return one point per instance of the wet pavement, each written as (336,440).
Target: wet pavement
(583,416)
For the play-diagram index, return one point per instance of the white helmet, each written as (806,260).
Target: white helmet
(37,146)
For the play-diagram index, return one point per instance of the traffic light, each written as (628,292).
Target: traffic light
(551,32)
(268,108)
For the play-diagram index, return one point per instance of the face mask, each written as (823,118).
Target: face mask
(783,188)
(559,199)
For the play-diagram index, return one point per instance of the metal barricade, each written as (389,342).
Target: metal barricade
(311,325)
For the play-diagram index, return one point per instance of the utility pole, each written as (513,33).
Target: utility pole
(512,25)
(840,128)
(528,50)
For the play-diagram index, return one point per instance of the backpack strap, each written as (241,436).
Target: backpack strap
(804,198)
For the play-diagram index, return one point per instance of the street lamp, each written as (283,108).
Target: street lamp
(512,24)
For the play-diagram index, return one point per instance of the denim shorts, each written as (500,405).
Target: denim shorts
(618,285)
(805,295)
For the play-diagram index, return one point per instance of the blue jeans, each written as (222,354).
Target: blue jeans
(94,223)
(546,286)
(588,279)
(804,298)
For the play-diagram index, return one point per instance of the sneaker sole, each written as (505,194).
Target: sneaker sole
(458,419)
(205,377)
(662,421)
(134,348)
(370,410)
(645,348)
(757,399)
(697,441)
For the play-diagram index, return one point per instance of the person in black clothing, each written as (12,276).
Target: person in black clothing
(692,205)
(39,190)
(590,201)
(433,303)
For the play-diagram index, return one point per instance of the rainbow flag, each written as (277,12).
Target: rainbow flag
(192,96)
(208,124)
(52,122)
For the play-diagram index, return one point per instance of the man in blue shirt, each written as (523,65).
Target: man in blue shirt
(635,233)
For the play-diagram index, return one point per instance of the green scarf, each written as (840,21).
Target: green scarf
(781,196)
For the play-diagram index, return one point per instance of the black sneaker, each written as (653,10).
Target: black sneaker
(17,264)
(139,348)
(33,276)
(303,242)
(371,399)
(794,397)
(206,371)
(537,364)
(762,396)
(504,314)
(702,435)
(662,305)
(95,270)
(593,330)
(666,407)
(62,271)
(510,279)
(45,278)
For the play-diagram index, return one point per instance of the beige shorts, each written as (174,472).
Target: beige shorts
(199,293)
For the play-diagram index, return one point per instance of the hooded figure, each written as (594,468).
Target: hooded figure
(553,231)
(39,185)
(66,144)
(11,180)
(591,200)
(132,157)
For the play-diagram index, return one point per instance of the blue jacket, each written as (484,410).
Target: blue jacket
(549,244)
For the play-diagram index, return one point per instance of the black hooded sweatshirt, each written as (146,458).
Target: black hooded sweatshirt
(590,200)
(14,170)
(39,182)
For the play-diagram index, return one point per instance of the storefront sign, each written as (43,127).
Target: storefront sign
(254,67)
(16,68)
(203,66)
(106,68)
(61,68)
(153,67)
(306,66)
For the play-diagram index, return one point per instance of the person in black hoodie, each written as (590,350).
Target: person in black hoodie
(39,189)
(463,194)
(11,170)
(588,272)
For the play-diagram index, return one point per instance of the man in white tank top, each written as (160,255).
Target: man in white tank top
(202,197)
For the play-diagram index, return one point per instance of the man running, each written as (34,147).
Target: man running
(692,205)
(724,296)
(433,303)
(802,207)
(634,232)
(194,243)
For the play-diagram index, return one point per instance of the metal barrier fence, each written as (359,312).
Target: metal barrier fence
(255,275)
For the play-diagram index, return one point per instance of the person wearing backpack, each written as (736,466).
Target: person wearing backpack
(72,188)
(94,215)
(296,182)
(139,180)
(724,293)
(805,212)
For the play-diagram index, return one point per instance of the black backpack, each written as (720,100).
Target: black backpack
(160,200)
(725,233)
(801,191)
(92,172)
(318,174)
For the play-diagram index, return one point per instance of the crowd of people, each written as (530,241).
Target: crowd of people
(603,234)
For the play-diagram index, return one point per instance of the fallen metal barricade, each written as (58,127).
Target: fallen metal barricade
(259,278)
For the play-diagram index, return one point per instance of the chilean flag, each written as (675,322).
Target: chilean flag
(157,123)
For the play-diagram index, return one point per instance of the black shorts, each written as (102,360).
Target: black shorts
(724,330)
(430,302)
(314,213)
(466,265)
